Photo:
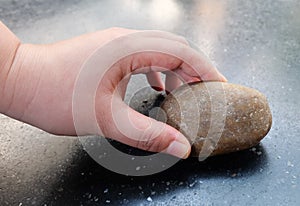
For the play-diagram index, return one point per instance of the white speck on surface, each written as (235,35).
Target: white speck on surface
(290,164)
(60,189)
(107,201)
(149,199)
(137,168)
(105,191)
(259,153)
(192,184)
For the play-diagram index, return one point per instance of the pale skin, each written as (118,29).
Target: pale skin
(37,83)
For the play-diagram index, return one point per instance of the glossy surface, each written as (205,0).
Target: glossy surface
(253,43)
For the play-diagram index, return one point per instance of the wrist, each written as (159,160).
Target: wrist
(8,50)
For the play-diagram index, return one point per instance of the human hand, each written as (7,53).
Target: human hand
(40,85)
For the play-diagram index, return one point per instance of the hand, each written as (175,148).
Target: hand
(40,85)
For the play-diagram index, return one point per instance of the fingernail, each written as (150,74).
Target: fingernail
(178,149)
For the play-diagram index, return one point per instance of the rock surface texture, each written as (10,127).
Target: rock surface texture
(218,117)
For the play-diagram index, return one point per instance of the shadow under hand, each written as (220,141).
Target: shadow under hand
(86,182)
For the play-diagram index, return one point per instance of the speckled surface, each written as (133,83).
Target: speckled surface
(218,117)
(254,43)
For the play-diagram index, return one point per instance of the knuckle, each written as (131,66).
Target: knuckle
(105,124)
(146,145)
(156,143)
(183,40)
(145,141)
(115,29)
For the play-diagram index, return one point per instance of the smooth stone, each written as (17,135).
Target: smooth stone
(218,117)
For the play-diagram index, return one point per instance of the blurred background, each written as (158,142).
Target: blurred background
(253,43)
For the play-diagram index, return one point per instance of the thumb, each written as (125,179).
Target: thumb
(137,130)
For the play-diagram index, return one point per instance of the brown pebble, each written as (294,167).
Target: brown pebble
(218,117)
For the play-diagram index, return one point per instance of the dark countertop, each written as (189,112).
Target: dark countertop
(254,43)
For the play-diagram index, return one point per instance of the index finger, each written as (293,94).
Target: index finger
(192,62)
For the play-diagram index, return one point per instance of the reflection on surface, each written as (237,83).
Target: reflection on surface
(132,4)
(164,12)
(159,15)
(212,15)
